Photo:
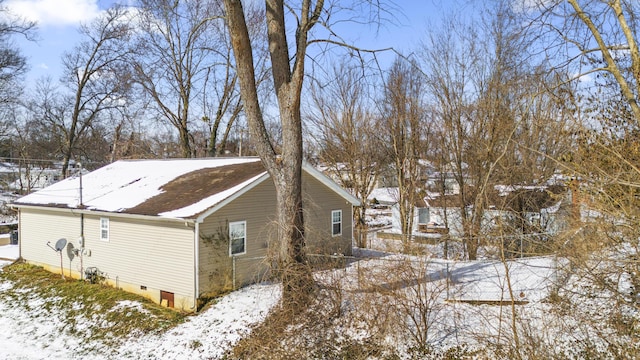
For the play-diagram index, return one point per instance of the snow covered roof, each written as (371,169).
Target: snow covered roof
(170,188)
(387,195)
(178,188)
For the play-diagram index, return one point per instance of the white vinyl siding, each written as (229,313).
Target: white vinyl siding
(237,238)
(336,222)
(156,254)
(104,229)
(38,227)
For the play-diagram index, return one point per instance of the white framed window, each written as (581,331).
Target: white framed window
(336,222)
(104,229)
(237,238)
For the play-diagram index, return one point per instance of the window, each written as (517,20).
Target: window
(423,215)
(104,229)
(237,238)
(336,222)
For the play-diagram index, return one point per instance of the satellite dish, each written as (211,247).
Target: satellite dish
(60,244)
(71,251)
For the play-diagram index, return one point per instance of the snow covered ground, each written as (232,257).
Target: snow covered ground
(457,295)
(8,253)
(205,336)
(38,334)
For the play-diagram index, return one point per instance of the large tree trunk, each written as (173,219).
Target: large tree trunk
(284,169)
(296,275)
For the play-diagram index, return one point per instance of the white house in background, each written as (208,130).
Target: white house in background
(175,230)
(421,218)
(446,179)
(544,212)
(441,214)
(35,178)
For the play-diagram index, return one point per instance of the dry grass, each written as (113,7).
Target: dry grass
(87,310)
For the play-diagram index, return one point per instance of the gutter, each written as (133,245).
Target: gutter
(103,213)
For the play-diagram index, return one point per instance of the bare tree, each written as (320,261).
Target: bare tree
(12,63)
(285,168)
(177,48)
(222,106)
(288,73)
(584,38)
(499,124)
(404,127)
(95,81)
(348,143)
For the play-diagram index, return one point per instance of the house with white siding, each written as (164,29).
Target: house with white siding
(175,231)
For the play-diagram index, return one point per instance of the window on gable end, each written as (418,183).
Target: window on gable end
(336,222)
(237,238)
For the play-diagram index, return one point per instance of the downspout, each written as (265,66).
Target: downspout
(352,230)
(19,233)
(81,240)
(196,264)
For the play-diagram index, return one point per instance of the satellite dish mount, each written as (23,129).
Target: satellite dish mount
(60,244)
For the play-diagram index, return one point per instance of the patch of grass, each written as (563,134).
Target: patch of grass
(91,311)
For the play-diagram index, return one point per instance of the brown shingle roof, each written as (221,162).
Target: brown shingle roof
(196,185)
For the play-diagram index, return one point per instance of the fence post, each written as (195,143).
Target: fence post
(448,275)
(233,272)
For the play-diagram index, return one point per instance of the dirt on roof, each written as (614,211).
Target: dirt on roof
(192,187)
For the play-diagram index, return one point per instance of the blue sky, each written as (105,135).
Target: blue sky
(58,22)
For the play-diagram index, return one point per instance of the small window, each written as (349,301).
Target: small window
(237,238)
(423,216)
(336,222)
(104,229)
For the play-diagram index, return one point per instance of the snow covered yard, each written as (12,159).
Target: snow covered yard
(401,305)
(446,305)
(35,329)
(38,334)
(210,334)
(9,252)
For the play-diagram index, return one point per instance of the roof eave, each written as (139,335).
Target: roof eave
(103,213)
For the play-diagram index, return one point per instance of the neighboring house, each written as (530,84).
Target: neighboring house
(175,231)
(421,218)
(342,173)
(543,209)
(34,178)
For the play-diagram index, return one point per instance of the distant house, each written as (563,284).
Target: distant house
(535,209)
(175,230)
(421,217)
(27,179)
